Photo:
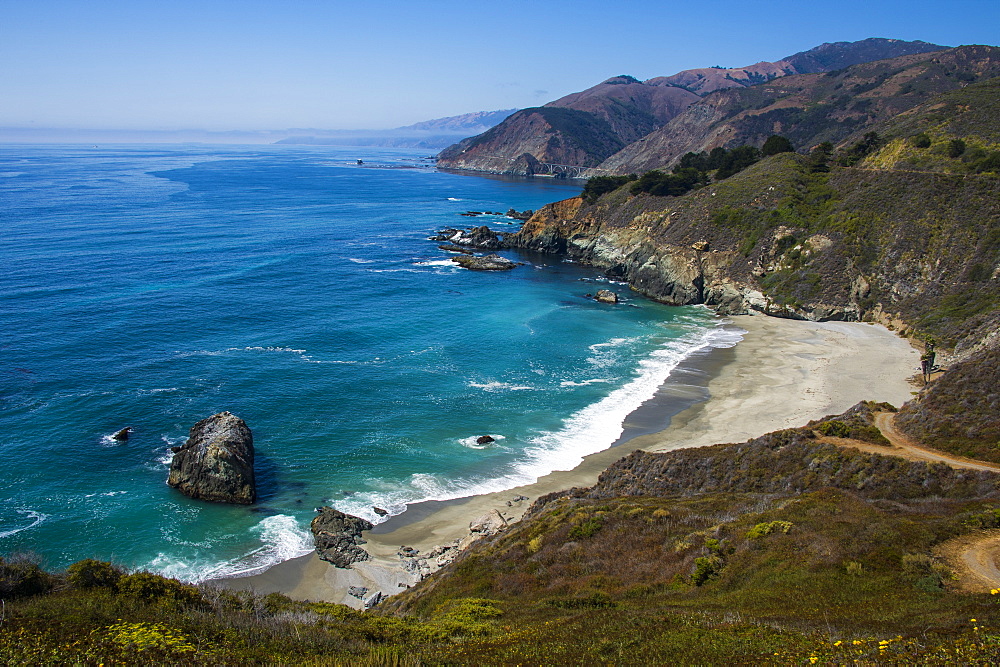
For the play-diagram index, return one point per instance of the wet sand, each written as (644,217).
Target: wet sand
(783,374)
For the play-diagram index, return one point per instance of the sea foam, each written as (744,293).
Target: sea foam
(589,430)
(281,536)
(33,516)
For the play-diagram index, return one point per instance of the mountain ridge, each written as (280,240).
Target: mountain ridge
(633,109)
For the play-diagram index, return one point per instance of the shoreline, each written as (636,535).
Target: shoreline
(782,374)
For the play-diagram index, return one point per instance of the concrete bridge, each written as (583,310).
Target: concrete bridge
(552,168)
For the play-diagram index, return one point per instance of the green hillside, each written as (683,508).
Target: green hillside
(784,549)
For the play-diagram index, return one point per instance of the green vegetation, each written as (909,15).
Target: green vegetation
(659,184)
(776,144)
(961,412)
(82,617)
(601,185)
(718,576)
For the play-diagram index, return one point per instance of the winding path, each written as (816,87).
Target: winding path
(885,421)
(974,556)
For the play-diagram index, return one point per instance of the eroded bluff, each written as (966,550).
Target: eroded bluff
(893,247)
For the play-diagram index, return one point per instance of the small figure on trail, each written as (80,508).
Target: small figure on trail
(927,361)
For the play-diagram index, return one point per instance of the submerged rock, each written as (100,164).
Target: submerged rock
(337,536)
(484,440)
(216,462)
(606,296)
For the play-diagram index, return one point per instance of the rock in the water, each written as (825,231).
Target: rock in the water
(380,511)
(606,296)
(484,440)
(491,262)
(216,462)
(122,434)
(337,536)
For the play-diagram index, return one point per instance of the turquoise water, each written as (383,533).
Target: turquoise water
(152,286)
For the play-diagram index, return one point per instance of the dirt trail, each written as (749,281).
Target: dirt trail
(973,558)
(885,423)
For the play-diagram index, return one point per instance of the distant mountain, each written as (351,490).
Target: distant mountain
(477,121)
(622,109)
(431,134)
(808,108)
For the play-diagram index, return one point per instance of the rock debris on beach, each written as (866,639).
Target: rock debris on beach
(337,536)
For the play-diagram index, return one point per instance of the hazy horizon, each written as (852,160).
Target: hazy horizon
(204,67)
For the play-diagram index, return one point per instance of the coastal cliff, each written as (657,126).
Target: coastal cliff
(900,226)
(853,244)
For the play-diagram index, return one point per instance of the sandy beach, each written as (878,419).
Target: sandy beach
(782,374)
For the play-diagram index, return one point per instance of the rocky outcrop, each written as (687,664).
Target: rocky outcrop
(606,296)
(217,461)
(481,237)
(123,434)
(337,537)
(423,565)
(492,262)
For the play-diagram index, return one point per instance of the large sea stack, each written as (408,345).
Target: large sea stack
(216,462)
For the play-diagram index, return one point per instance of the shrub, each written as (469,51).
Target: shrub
(596,601)
(984,520)
(92,573)
(586,528)
(600,185)
(21,577)
(834,428)
(705,568)
(776,144)
(154,588)
(920,140)
(148,636)
(762,529)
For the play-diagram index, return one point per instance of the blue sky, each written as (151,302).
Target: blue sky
(253,65)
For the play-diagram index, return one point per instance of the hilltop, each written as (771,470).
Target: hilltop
(588,127)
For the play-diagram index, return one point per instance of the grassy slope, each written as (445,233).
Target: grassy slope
(777,550)
(692,556)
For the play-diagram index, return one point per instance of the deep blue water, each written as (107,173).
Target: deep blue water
(152,286)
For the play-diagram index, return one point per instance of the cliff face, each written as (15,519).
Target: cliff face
(853,244)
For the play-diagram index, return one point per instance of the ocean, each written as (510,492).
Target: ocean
(151,286)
